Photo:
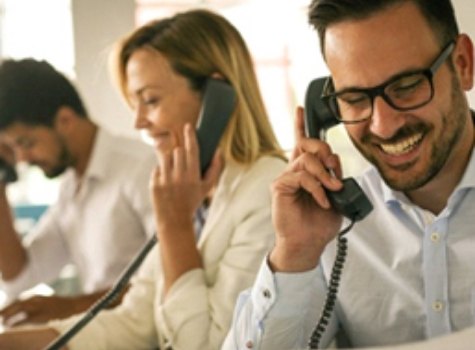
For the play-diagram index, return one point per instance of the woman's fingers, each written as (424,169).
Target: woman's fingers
(191,149)
(179,161)
(213,172)
(165,161)
(299,125)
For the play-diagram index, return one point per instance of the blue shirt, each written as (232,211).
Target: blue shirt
(409,275)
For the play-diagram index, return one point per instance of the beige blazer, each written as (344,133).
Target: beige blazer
(199,307)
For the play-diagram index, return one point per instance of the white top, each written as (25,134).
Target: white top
(408,276)
(198,309)
(98,224)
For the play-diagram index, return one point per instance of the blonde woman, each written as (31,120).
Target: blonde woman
(183,297)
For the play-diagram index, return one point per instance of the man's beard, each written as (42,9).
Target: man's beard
(64,160)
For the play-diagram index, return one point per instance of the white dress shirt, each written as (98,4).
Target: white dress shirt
(98,223)
(408,276)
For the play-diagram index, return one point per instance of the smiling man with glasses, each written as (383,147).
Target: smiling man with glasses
(399,73)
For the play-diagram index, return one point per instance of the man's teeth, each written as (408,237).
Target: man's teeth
(403,146)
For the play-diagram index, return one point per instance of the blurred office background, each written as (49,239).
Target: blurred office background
(76,36)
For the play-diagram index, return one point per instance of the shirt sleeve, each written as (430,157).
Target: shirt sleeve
(47,253)
(279,312)
(130,325)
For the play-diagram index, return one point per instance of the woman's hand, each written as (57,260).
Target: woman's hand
(178,190)
(177,186)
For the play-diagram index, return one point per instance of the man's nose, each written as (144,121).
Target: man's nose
(22,155)
(385,120)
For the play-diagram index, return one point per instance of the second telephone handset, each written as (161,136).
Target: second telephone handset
(350,201)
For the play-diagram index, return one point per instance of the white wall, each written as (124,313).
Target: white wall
(97,25)
(465,11)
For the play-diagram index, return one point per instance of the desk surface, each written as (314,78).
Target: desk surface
(463,340)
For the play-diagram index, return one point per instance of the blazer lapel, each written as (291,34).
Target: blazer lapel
(228,182)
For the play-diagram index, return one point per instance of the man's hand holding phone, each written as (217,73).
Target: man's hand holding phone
(302,214)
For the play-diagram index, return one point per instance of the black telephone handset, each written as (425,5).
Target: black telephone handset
(8,173)
(350,201)
(218,104)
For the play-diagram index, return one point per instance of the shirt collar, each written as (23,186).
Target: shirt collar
(98,162)
(468,178)
(392,196)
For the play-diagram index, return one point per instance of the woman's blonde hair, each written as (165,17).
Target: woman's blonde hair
(199,43)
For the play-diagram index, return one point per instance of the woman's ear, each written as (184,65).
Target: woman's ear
(217,75)
(463,60)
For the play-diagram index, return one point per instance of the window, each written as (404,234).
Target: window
(38,29)
(42,30)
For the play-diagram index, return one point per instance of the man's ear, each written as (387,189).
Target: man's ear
(463,60)
(65,120)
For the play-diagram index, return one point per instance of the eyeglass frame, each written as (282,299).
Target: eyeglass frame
(379,90)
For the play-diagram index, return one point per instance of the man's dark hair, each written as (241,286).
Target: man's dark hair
(438,13)
(31,92)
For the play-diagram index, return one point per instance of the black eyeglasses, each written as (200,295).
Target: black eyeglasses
(406,91)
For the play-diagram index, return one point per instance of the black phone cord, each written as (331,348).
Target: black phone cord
(108,298)
(332,292)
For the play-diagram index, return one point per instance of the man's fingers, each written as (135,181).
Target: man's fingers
(15,313)
(312,146)
(313,166)
(17,319)
(11,309)
(293,182)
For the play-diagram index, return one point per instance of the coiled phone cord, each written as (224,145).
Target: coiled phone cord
(330,300)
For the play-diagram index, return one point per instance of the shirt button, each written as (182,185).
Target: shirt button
(437,306)
(266,293)
(249,344)
(434,237)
